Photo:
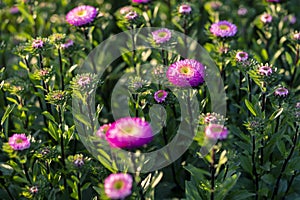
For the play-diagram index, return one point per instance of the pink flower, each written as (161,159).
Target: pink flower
(281,92)
(102,130)
(296,36)
(273,1)
(161,36)
(37,43)
(266,18)
(241,56)
(132,15)
(216,131)
(185,9)
(129,132)
(242,11)
(118,186)
(223,29)
(67,44)
(140,1)
(185,73)
(160,96)
(14,10)
(19,142)
(81,15)
(265,70)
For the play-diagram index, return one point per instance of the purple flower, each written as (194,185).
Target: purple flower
(216,131)
(185,9)
(281,92)
(242,11)
(273,1)
(132,15)
(67,44)
(81,15)
(78,160)
(140,1)
(37,43)
(265,70)
(129,132)
(266,18)
(223,29)
(161,36)
(118,186)
(185,73)
(160,96)
(14,10)
(241,56)
(19,142)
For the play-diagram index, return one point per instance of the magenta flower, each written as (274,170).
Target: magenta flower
(14,10)
(102,130)
(81,15)
(281,92)
(216,131)
(132,15)
(37,43)
(67,44)
(118,186)
(19,142)
(241,56)
(223,29)
(273,1)
(161,36)
(265,70)
(160,96)
(140,1)
(185,9)
(266,18)
(129,132)
(185,73)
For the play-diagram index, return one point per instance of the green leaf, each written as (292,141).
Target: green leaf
(49,116)
(53,131)
(250,107)
(8,110)
(276,114)
(226,186)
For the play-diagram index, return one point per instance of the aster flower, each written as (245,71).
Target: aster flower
(216,131)
(85,81)
(281,92)
(56,97)
(185,9)
(67,44)
(132,15)
(33,190)
(296,36)
(14,10)
(126,9)
(298,105)
(223,29)
(241,56)
(266,18)
(273,1)
(140,1)
(215,5)
(242,11)
(265,70)
(118,186)
(81,15)
(129,132)
(161,36)
(37,43)
(19,142)
(102,130)
(185,73)
(78,160)
(160,96)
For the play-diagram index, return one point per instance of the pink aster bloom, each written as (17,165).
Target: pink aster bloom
(273,1)
(67,44)
(132,15)
(19,142)
(242,11)
(84,80)
(102,130)
(37,43)
(118,186)
(223,29)
(161,36)
(185,9)
(160,96)
(266,18)
(185,73)
(81,15)
(140,1)
(126,9)
(265,70)
(14,10)
(241,56)
(129,132)
(33,190)
(216,131)
(296,36)
(281,92)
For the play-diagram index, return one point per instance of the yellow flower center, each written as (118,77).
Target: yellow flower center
(118,185)
(19,141)
(185,70)
(223,27)
(162,34)
(81,13)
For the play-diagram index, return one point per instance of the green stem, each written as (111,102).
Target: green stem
(256,178)
(62,84)
(212,174)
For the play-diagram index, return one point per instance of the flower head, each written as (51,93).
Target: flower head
(266,18)
(281,92)
(37,43)
(160,96)
(241,56)
(185,9)
(126,9)
(81,15)
(14,10)
(102,130)
(78,160)
(242,11)
(273,1)
(185,73)
(129,132)
(216,131)
(298,105)
(33,190)
(19,142)
(118,186)
(67,44)
(140,1)
(213,118)
(296,36)
(161,36)
(56,97)
(265,70)
(223,29)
